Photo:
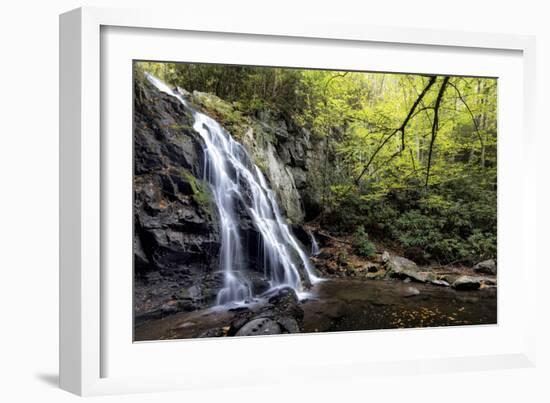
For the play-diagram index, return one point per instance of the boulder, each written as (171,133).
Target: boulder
(378,275)
(240,319)
(487,267)
(467,283)
(258,284)
(410,292)
(259,326)
(216,332)
(440,282)
(449,278)
(474,282)
(286,302)
(282,313)
(407,270)
(402,268)
(400,264)
(289,325)
(489,282)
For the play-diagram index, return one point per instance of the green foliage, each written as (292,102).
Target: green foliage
(362,246)
(252,88)
(483,245)
(342,258)
(411,158)
(453,222)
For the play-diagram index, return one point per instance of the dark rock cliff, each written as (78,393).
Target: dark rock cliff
(176,236)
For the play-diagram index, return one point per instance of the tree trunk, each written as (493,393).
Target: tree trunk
(435,126)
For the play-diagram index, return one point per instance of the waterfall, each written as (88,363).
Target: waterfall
(314,245)
(237,183)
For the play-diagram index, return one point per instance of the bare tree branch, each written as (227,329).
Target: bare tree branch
(435,125)
(480,137)
(339,75)
(400,129)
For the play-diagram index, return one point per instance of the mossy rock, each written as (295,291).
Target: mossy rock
(177,126)
(200,190)
(224,112)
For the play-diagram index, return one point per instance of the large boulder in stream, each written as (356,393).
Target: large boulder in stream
(405,269)
(258,327)
(467,283)
(486,267)
(402,268)
(281,314)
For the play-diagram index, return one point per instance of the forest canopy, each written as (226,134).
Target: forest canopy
(411,160)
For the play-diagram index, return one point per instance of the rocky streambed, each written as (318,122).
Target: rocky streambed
(385,291)
(343,305)
(331,306)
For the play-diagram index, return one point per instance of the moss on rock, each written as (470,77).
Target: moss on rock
(202,194)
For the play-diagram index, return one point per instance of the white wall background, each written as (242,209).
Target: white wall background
(29,197)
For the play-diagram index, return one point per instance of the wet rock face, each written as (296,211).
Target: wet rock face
(176,235)
(259,139)
(304,159)
(283,184)
(291,160)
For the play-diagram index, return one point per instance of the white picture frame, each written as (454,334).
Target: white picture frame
(91,342)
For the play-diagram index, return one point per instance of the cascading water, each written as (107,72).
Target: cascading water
(236,182)
(314,245)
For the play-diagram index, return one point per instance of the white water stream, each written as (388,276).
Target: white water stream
(314,245)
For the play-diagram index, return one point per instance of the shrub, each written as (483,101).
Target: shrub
(450,223)
(342,258)
(362,246)
(483,245)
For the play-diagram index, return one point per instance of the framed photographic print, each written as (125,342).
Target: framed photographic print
(320,196)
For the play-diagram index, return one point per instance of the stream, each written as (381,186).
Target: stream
(347,305)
